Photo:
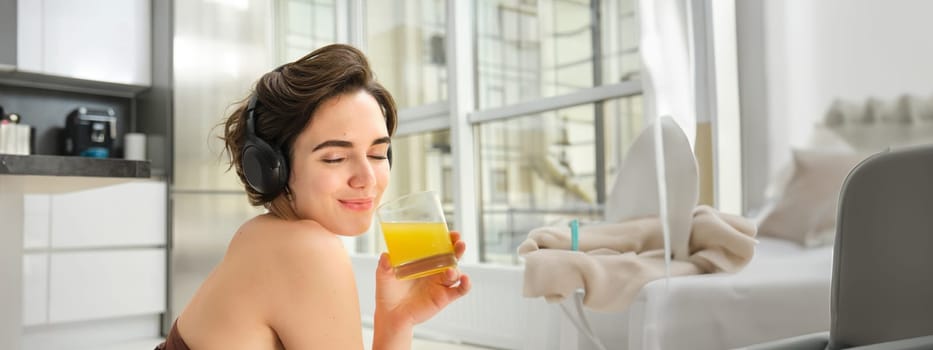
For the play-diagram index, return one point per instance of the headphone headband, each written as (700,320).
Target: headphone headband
(264,166)
(251,105)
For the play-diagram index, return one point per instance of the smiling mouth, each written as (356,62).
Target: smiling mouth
(357,204)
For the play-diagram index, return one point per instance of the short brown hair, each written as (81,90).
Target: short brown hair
(287,99)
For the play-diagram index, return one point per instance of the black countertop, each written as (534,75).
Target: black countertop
(73,166)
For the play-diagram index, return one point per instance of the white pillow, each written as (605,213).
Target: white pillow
(821,139)
(806,210)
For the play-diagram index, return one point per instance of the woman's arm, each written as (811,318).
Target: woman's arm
(402,304)
(389,334)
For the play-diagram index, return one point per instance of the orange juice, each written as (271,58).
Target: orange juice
(418,249)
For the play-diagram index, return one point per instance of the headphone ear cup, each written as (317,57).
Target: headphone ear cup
(265,168)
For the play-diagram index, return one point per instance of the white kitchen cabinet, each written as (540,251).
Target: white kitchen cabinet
(36,214)
(29,35)
(35,289)
(90,285)
(99,40)
(55,297)
(94,254)
(128,214)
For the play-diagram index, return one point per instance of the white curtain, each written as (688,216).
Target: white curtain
(668,80)
(667,58)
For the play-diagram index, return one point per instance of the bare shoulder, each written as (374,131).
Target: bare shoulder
(284,253)
(271,237)
(308,281)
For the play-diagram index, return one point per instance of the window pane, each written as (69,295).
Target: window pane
(420,162)
(622,124)
(530,49)
(527,49)
(539,170)
(405,42)
(304,25)
(620,35)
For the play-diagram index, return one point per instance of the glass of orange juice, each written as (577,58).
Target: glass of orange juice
(416,235)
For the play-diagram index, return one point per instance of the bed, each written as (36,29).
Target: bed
(784,291)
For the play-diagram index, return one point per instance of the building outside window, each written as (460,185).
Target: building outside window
(304,25)
(405,42)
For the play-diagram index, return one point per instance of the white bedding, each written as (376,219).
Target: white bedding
(784,291)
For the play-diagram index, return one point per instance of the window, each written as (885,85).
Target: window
(405,41)
(420,162)
(304,26)
(548,149)
(624,121)
(620,37)
(541,169)
(530,49)
(556,103)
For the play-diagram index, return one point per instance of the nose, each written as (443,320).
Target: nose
(363,174)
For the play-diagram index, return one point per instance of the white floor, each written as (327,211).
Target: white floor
(417,344)
(422,344)
(142,344)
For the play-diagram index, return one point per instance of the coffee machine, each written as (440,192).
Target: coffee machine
(90,132)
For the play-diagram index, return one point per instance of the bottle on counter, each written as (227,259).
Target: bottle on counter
(15,137)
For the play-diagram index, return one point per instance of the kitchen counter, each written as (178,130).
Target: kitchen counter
(72,166)
(56,174)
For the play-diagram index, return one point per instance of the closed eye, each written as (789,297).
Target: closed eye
(333,161)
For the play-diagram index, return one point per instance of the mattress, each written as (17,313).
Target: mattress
(784,291)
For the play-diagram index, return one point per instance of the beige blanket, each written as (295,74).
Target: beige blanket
(615,260)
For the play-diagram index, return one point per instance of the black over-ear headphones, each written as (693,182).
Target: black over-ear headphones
(264,166)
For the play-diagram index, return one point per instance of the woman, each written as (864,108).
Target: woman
(311,145)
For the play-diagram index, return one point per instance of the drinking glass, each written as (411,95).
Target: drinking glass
(416,235)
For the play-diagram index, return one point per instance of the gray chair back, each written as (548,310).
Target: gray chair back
(882,281)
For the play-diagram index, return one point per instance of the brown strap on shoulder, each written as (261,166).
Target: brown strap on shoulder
(174,340)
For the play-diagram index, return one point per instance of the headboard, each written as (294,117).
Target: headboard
(878,124)
(800,201)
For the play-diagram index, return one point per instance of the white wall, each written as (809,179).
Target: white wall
(796,56)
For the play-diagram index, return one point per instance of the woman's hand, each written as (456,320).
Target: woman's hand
(407,303)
